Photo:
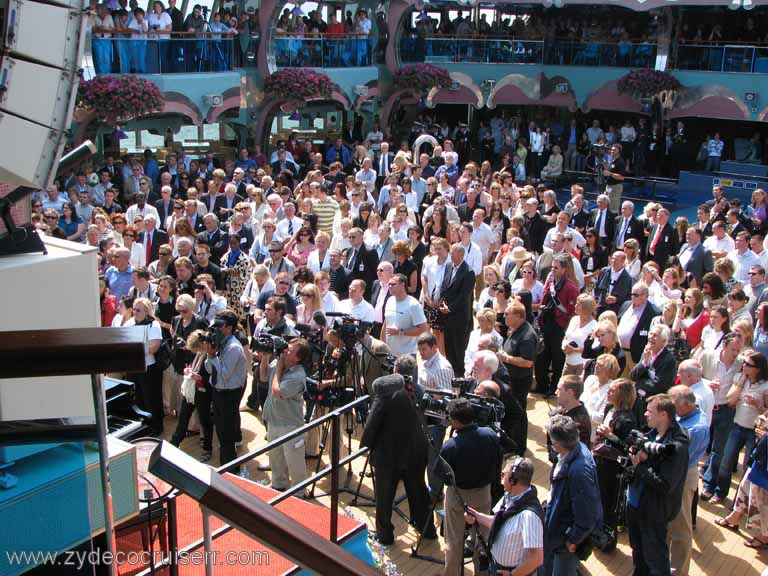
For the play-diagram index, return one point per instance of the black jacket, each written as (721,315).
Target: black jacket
(217,242)
(457,295)
(162,212)
(534,232)
(634,230)
(662,478)
(640,337)
(610,223)
(364,268)
(621,289)
(666,247)
(393,432)
(158,238)
(220,206)
(655,379)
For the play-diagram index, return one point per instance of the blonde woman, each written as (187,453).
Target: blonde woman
(259,206)
(149,383)
(486,319)
(596,387)
(579,329)
(633,264)
(311,302)
(603,341)
(260,281)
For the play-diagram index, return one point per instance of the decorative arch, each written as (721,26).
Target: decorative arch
(176,103)
(373,92)
(607,97)
(710,101)
(405,96)
(232,99)
(468,93)
(521,90)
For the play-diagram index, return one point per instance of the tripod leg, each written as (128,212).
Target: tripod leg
(360,480)
(323,439)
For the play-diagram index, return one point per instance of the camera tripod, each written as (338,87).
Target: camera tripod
(342,382)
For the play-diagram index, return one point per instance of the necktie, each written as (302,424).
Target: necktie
(656,239)
(290,227)
(599,223)
(148,243)
(351,263)
(624,229)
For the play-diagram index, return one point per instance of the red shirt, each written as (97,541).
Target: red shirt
(567,295)
(107,311)
(693,332)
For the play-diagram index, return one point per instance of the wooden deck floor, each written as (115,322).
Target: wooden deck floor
(716,551)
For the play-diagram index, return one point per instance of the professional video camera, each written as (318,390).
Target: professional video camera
(464,385)
(350,329)
(488,411)
(213,336)
(330,397)
(275,345)
(313,337)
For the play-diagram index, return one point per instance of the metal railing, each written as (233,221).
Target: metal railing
(334,418)
(214,53)
(324,51)
(727,58)
(415,48)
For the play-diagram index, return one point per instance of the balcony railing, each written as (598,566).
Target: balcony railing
(729,58)
(414,48)
(324,51)
(214,53)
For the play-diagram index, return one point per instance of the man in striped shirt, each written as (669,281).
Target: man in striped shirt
(324,207)
(516,527)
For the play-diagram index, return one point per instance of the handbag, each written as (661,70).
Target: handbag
(165,355)
(682,349)
(189,383)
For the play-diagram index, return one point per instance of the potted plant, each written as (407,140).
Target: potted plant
(298,84)
(115,99)
(646,83)
(421,78)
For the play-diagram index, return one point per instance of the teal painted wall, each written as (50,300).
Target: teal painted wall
(196,86)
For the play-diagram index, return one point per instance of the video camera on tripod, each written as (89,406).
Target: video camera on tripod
(350,329)
(487,411)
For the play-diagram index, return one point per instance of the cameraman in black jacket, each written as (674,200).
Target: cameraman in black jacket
(399,450)
(655,495)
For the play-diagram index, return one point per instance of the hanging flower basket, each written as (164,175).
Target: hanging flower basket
(646,83)
(421,78)
(115,99)
(298,84)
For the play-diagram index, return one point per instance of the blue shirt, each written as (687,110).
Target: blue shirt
(230,366)
(119,282)
(697,426)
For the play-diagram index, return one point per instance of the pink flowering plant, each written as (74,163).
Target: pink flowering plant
(119,98)
(421,77)
(646,83)
(300,84)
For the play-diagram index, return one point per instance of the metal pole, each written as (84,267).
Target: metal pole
(100,410)
(173,544)
(335,451)
(207,540)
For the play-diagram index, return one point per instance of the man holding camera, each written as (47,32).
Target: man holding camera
(574,510)
(273,323)
(654,496)
(284,411)
(226,363)
(516,531)
(208,302)
(473,456)
(399,449)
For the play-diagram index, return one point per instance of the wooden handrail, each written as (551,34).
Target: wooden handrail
(71,351)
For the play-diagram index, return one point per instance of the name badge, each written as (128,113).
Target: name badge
(361,268)
(643,332)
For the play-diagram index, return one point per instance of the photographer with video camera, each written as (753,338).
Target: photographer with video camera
(399,450)
(284,410)
(274,323)
(474,456)
(515,527)
(574,510)
(227,365)
(660,462)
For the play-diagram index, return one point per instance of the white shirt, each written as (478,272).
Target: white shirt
(314,264)
(743,262)
(594,399)
(524,531)
(472,346)
(281,231)
(473,256)
(537,142)
(627,325)
(363,310)
(705,398)
(724,244)
(685,255)
(577,333)
(578,239)
(367,177)
(405,315)
(152,332)
(436,373)
(162,21)
(484,237)
(330,303)
(134,210)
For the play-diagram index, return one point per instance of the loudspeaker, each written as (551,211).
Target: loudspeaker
(39,75)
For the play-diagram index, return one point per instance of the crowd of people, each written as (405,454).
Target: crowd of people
(651,334)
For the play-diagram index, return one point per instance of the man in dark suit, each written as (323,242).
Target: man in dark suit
(456,307)
(694,258)
(604,221)
(662,240)
(338,275)
(467,209)
(627,226)
(399,451)
(614,285)
(734,225)
(635,322)
(194,219)
(164,206)
(361,263)
(224,206)
(656,371)
(534,227)
(152,238)
(380,294)
(214,237)
(210,202)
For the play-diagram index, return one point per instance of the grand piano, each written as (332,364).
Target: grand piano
(125,419)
